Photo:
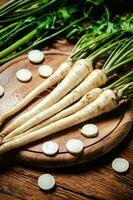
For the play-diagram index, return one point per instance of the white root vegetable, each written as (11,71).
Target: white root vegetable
(45,71)
(106,102)
(76,75)
(74,146)
(50,148)
(96,79)
(57,76)
(24,75)
(120,165)
(84,101)
(46,182)
(89,130)
(36,56)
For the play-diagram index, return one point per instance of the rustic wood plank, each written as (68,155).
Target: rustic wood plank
(94,180)
(12,183)
(112,126)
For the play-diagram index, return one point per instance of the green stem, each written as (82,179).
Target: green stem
(14,34)
(24,9)
(102,50)
(58,32)
(11,31)
(116,67)
(28,6)
(111,55)
(4,6)
(36,11)
(116,35)
(126,92)
(12,7)
(8,27)
(118,54)
(18,43)
(122,81)
(88,45)
(130,19)
(40,42)
(124,56)
(82,45)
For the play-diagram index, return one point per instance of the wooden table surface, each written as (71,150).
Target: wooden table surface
(94,180)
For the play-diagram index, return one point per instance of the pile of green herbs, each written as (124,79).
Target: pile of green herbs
(31,24)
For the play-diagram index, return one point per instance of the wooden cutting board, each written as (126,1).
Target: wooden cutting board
(113,127)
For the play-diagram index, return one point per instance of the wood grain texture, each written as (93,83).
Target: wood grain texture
(32,154)
(91,181)
(113,127)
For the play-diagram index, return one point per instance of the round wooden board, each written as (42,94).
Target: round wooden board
(113,127)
